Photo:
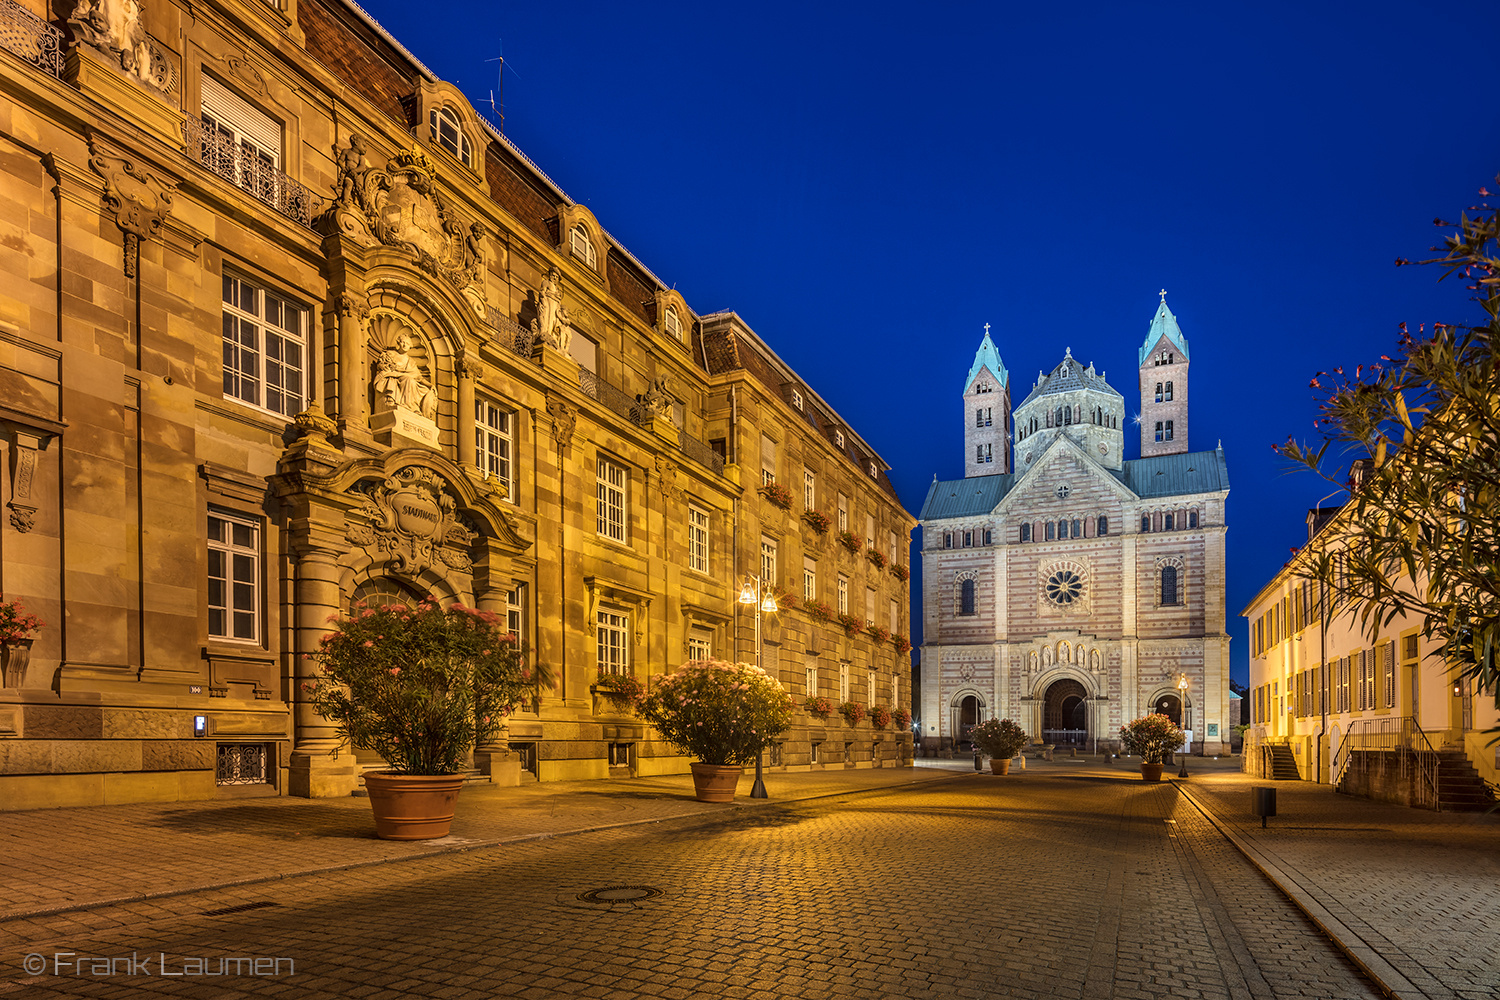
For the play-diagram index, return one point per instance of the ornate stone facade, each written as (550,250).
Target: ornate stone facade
(258,362)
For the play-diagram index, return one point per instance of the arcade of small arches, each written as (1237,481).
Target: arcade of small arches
(1058,712)
(1066,416)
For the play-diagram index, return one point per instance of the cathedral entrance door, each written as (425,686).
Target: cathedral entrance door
(969,716)
(1065,716)
(1170,706)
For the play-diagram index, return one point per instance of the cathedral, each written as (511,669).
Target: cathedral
(1068,587)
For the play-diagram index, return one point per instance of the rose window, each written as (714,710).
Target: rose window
(1064,587)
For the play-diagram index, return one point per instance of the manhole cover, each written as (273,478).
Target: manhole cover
(619,894)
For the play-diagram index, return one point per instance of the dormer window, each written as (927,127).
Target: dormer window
(873,472)
(672,323)
(582,247)
(838,438)
(446,133)
(797,399)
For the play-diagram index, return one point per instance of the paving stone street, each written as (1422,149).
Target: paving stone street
(1064,880)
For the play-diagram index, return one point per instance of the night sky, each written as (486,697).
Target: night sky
(868,184)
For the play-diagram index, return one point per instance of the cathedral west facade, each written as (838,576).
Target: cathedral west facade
(1065,586)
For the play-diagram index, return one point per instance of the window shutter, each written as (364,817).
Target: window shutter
(229,109)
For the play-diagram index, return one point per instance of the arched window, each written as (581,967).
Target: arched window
(1103,525)
(1145,522)
(1166,522)
(1067,415)
(1062,529)
(1158,430)
(582,246)
(1077,528)
(1169,585)
(1169,392)
(1169,431)
(446,133)
(1051,528)
(1057,417)
(1192,519)
(673,324)
(947,539)
(1158,392)
(966,598)
(989,539)
(1025,532)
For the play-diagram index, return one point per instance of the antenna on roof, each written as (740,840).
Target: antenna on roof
(499,109)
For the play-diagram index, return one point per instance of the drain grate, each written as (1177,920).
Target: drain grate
(612,894)
(239,909)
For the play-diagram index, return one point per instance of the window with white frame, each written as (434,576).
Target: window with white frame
(843,682)
(582,246)
(612,485)
(493,443)
(870,691)
(870,529)
(767,460)
(874,471)
(895,691)
(809,489)
(613,629)
(241,144)
(265,348)
(892,553)
(698,539)
(515,611)
(233,578)
(447,133)
(809,578)
(838,438)
(810,680)
(797,398)
(843,512)
(767,561)
(843,595)
(700,645)
(895,616)
(869,604)
(673,324)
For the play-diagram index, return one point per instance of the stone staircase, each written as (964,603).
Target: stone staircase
(1283,763)
(1460,788)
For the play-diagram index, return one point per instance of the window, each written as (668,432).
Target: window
(838,438)
(966,603)
(241,144)
(492,433)
(809,489)
(265,348)
(673,326)
(582,247)
(1103,526)
(1062,530)
(1158,392)
(1077,528)
(700,645)
(614,642)
(1025,532)
(233,578)
(809,579)
(843,682)
(1158,430)
(1169,585)
(515,611)
(947,539)
(1051,531)
(979,454)
(979,417)
(870,686)
(1169,392)
(767,460)
(767,560)
(893,547)
(989,454)
(585,352)
(698,539)
(1145,522)
(446,133)
(1192,519)
(843,595)
(870,604)
(810,680)
(797,398)
(1169,430)
(1166,522)
(968,539)
(843,512)
(874,471)
(895,616)
(870,529)
(989,537)
(612,483)
(982,387)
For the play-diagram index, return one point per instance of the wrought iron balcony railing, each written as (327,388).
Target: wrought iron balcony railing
(31,38)
(248,169)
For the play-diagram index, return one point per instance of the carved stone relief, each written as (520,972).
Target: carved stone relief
(404,397)
(411,520)
(116,28)
(667,478)
(564,419)
(137,198)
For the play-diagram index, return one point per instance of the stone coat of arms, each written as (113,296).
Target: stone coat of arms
(411,519)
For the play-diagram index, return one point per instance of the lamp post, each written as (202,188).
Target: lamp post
(1187,701)
(752,593)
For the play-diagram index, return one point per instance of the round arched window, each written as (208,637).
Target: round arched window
(446,133)
(673,324)
(1064,587)
(583,247)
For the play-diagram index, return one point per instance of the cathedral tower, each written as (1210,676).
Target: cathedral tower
(1164,386)
(986,413)
(1074,401)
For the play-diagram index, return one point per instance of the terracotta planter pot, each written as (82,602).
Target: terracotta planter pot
(1150,772)
(999,765)
(715,782)
(412,806)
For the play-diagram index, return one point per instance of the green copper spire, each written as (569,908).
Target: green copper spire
(1164,325)
(988,357)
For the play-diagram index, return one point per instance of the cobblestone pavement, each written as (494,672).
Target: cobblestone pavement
(1058,882)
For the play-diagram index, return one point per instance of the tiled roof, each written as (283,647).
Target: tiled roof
(1068,376)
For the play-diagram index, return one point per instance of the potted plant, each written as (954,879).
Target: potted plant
(852,626)
(853,712)
(902,644)
(851,541)
(18,628)
(724,714)
(878,632)
(880,717)
(776,494)
(1154,737)
(1002,739)
(817,520)
(900,572)
(902,718)
(875,556)
(622,692)
(819,706)
(421,686)
(818,611)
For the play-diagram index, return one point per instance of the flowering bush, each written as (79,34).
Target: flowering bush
(620,690)
(875,556)
(1153,736)
(16,623)
(1000,738)
(719,712)
(851,541)
(817,520)
(820,706)
(880,717)
(421,686)
(818,611)
(878,633)
(902,644)
(902,717)
(785,599)
(853,712)
(852,625)
(900,572)
(776,494)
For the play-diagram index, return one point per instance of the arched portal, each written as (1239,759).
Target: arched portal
(968,712)
(1065,715)
(1170,706)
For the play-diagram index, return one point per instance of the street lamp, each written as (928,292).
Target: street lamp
(1187,701)
(752,593)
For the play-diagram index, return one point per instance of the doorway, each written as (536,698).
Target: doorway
(1171,706)
(1065,714)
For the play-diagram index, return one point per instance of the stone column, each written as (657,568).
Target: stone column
(468,457)
(352,310)
(315,773)
(494,757)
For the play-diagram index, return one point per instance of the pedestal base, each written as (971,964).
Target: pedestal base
(317,775)
(400,426)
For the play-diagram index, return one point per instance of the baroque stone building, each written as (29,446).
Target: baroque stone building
(286,325)
(1076,589)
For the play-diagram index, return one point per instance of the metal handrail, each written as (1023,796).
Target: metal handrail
(31,38)
(1404,739)
(246,170)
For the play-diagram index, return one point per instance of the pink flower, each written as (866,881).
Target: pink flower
(368,644)
(394,671)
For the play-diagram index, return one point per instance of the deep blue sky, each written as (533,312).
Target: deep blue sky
(868,184)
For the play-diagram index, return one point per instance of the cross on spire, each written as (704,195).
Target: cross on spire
(1164,295)
(986,329)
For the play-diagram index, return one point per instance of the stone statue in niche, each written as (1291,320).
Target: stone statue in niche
(351,161)
(655,401)
(114,27)
(399,381)
(552,320)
